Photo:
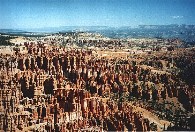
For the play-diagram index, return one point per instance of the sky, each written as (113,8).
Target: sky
(18,14)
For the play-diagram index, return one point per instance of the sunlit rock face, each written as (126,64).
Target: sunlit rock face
(63,88)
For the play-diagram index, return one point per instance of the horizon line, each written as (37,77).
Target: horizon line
(20,28)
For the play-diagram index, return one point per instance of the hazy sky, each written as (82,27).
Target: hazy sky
(55,13)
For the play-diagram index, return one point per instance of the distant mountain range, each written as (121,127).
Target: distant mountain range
(94,28)
(171,26)
(10,31)
(55,29)
(184,32)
